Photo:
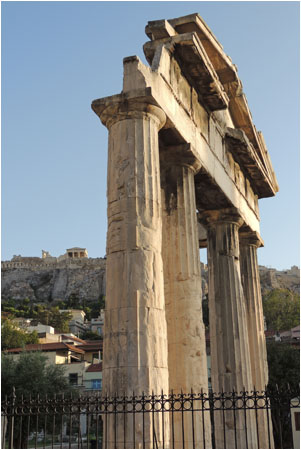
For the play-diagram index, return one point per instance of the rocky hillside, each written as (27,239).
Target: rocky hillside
(283,279)
(49,282)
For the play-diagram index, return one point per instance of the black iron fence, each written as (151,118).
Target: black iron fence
(265,419)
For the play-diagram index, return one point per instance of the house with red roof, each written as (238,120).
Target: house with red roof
(81,359)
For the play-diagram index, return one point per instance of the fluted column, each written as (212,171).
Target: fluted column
(135,336)
(249,242)
(187,360)
(229,342)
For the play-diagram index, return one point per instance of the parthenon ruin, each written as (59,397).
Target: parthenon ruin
(186,168)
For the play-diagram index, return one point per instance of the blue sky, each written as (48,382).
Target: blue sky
(59,56)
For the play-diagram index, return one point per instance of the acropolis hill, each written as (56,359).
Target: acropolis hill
(51,279)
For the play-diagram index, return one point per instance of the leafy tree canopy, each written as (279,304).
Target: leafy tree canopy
(283,363)
(90,335)
(12,337)
(45,314)
(53,317)
(91,308)
(49,315)
(281,308)
(31,374)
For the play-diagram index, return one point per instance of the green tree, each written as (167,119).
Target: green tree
(18,308)
(283,364)
(96,306)
(59,320)
(12,337)
(43,315)
(281,308)
(31,374)
(284,370)
(91,336)
(53,317)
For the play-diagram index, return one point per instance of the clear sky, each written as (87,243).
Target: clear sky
(59,56)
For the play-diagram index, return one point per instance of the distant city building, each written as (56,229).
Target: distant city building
(96,325)
(77,324)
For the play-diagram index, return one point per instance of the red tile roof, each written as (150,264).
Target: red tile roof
(95,346)
(95,368)
(73,338)
(75,349)
(53,346)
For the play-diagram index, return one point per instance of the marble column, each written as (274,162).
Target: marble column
(249,242)
(135,335)
(229,341)
(187,359)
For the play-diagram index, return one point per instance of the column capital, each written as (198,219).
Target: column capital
(179,155)
(250,238)
(128,106)
(214,217)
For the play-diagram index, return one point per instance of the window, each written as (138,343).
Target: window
(96,384)
(73,378)
(297,421)
(99,330)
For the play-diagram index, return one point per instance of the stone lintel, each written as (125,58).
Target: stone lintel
(127,105)
(253,238)
(194,22)
(226,215)
(158,29)
(182,155)
(196,66)
(244,153)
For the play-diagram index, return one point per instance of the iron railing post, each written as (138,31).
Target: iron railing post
(12,421)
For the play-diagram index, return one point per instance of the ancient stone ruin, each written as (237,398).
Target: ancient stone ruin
(186,167)
(51,279)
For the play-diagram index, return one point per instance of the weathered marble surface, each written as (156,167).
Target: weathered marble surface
(135,335)
(229,339)
(249,242)
(187,360)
